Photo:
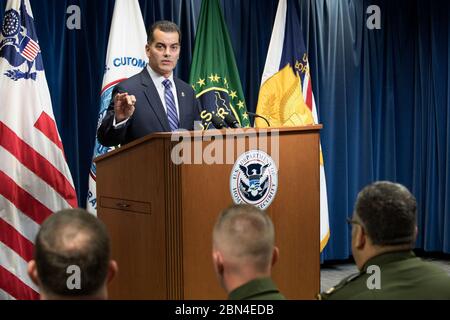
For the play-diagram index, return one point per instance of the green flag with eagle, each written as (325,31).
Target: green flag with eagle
(214,74)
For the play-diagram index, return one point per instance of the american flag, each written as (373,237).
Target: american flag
(29,49)
(35,180)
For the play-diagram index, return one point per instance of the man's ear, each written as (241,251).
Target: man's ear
(112,270)
(275,255)
(32,272)
(218,262)
(360,237)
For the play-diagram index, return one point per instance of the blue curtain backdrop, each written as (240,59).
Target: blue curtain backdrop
(383,95)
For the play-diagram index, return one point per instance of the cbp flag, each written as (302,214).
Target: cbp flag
(214,74)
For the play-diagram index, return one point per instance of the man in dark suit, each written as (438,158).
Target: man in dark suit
(153,100)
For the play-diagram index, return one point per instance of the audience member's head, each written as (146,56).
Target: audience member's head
(243,246)
(72,257)
(384,220)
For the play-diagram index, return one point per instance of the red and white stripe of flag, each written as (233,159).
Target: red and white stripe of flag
(31,50)
(31,188)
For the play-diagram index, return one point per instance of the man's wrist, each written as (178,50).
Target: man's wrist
(119,119)
(118,124)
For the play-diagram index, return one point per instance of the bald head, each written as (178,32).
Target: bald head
(245,235)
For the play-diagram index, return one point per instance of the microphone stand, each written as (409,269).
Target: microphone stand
(255,115)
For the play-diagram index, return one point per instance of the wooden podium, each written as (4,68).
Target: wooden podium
(160,215)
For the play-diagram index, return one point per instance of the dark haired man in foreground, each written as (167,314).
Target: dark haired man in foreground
(383,234)
(72,257)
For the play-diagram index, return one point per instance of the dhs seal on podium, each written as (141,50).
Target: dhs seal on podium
(254,179)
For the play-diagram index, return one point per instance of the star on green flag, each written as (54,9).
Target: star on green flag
(214,74)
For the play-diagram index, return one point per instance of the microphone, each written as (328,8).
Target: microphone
(231,121)
(217,122)
(255,115)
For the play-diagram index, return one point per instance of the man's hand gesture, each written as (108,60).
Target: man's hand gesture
(123,106)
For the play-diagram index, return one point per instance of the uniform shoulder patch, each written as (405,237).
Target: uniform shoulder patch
(340,285)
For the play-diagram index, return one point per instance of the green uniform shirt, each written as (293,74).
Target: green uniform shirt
(402,276)
(258,289)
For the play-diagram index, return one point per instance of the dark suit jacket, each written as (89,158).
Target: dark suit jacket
(149,115)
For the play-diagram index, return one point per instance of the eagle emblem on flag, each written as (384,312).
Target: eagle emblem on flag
(20,46)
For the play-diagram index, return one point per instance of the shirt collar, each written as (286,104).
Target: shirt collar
(251,288)
(388,257)
(157,78)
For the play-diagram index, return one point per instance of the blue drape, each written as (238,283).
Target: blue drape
(383,96)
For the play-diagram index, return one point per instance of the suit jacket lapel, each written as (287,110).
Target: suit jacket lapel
(154,100)
(181,96)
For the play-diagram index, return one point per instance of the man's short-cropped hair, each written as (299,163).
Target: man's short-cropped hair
(72,238)
(244,232)
(164,26)
(388,213)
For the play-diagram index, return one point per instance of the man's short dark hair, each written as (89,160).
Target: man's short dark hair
(388,213)
(72,237)
(164,26)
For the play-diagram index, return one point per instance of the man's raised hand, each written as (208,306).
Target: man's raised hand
(123,106)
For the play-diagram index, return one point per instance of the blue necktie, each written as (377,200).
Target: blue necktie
(172,114)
